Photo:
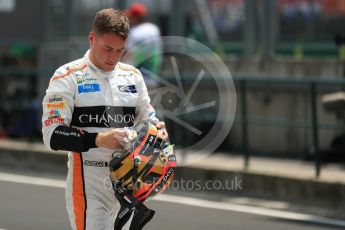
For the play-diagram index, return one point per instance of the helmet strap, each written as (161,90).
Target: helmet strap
(124,213)
(142,214)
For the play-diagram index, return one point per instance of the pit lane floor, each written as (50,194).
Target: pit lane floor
(29,202)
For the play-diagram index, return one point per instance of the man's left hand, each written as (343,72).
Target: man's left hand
(162,133)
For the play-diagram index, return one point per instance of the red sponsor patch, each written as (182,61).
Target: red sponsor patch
(54,120)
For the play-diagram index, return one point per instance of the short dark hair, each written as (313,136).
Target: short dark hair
(111,21)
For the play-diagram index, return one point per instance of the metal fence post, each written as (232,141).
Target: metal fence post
(70,14)
(315,127)
(244,123)
(249,33)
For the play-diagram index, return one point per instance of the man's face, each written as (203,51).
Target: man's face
(106,50)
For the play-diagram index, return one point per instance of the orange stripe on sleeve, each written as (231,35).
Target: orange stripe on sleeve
(79,199)
(69,72)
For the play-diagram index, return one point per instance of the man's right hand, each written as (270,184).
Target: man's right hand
(111,139)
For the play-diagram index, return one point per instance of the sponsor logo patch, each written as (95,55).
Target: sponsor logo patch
(151,139)
(128,88)
(67,134)
(54,117)
(81,75)
(88,88)
(166,177)
(172,158)
(54,121)
(96,163)
(125,74)
(54,113)
(60,105)
(55,99)
(106,118)
(81,79)
(163,158)
(103,116)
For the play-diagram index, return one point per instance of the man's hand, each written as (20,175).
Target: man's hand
(111,139)
(162,133)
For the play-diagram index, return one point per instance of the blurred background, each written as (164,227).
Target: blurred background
(284,55)
(287,60)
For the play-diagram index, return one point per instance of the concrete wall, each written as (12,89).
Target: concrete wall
(277,102)
(282,67)
(276,138)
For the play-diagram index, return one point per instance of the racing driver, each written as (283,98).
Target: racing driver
(87,105)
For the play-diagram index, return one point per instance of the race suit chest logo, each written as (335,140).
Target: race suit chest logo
(83,79)
(127,89)
(103,116)
(88,88)
(54,117)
